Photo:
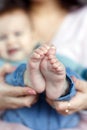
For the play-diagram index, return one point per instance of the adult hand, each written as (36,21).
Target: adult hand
(14,97)
(77,103)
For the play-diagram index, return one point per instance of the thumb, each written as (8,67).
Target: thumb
(80,85)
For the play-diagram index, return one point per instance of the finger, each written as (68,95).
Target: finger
(16,102)
(21,102)
(17,91)
(7,68)
(80,84)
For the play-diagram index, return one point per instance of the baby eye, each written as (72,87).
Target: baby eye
(3,37)
(18,34)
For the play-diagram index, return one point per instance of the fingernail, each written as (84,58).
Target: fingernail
(31,92)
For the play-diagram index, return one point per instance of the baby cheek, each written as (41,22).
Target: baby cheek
(2,54)
(28,45)
(28,50)
(2,50)
(25,44)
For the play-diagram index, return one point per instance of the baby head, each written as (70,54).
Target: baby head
(15,32)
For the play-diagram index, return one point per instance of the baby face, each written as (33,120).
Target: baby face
(15,36)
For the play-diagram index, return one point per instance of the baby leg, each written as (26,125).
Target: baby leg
(54,73)
(34,73)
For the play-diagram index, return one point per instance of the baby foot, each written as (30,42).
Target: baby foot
(34,72)
(54,73)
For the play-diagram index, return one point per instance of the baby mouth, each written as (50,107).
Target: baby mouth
(12,51)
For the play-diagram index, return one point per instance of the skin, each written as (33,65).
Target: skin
(15,36)
(78,102)
(56,16)
(46,73)
(48,13)
(34,72)
(51,22)
(54,74)
(14,97)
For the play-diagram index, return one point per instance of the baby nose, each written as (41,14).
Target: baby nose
(11,41)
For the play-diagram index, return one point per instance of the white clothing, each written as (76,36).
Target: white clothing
(71,38)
